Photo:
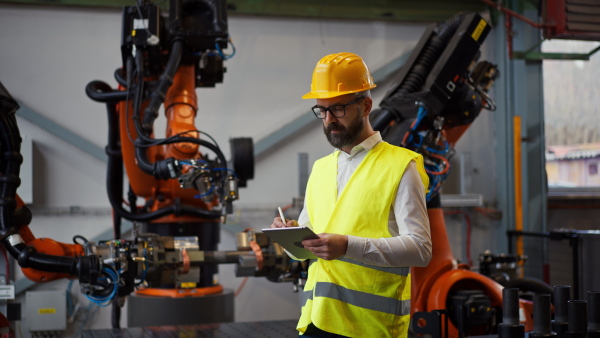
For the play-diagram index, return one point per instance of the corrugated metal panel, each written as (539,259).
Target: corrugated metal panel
(572,19)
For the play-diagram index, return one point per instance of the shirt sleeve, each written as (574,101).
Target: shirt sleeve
(410,244)
(303,219)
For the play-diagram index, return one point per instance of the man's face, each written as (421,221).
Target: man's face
(342,132)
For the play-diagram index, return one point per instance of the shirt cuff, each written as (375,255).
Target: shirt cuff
(356,247)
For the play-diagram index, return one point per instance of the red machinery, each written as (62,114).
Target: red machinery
(574,20)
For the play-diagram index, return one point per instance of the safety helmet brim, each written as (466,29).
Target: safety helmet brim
(328,94)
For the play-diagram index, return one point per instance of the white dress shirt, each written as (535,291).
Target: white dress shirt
(410,244)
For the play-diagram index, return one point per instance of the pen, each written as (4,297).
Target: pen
(281,215)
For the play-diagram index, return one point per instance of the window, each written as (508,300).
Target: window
(571,110)
(593,169)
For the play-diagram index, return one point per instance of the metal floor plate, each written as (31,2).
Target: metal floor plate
(275,329)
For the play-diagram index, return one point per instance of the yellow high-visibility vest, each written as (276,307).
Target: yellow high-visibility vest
(347,297)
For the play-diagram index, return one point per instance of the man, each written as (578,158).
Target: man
(366,201)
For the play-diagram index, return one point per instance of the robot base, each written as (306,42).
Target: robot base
(163,311)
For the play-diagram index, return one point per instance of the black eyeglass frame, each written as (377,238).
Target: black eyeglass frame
(316,109)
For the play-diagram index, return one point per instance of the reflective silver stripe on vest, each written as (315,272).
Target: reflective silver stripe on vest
(400,271)
(306,296)
(357,298)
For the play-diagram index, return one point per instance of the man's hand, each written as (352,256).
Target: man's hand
(279,223)
(328,246)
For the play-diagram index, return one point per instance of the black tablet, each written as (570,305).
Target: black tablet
(291,239)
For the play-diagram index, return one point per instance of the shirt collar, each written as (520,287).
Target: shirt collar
(368,144)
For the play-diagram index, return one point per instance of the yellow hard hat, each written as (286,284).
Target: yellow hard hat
(339,74)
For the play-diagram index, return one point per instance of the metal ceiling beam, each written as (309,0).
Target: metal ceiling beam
(386,10)
(83,3)
(307,119)
(61,132)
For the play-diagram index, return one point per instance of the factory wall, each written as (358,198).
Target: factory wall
(48,55)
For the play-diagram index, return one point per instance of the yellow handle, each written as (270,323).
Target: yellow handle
(518,185)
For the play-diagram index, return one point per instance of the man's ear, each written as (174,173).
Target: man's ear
(367,105)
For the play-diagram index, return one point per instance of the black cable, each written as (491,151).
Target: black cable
(113,150)
(174,209)
(213,147)
(166,79)
(83,239)
(170,139)
(9,143)
(132,199)
(29,258)
(130,77)
(165,169)
(102,92)
(119,77)
(139,97)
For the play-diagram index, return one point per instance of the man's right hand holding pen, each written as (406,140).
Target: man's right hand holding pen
(328,246)
(278,223)
(281,222)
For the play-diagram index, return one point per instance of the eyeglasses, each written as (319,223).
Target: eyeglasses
(338,110)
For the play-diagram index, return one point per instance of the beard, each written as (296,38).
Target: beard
(345,136)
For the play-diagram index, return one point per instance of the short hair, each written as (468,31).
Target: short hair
(363,94)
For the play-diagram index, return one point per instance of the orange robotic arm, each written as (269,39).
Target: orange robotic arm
(45,246)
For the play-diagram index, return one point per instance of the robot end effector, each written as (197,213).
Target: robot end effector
(442,75)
